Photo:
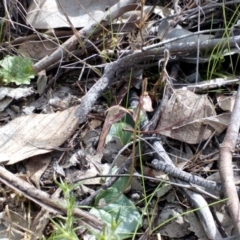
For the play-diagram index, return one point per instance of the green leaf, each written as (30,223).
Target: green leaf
(116,130)
(122,209)
(16,70)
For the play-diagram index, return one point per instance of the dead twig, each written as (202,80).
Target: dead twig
(120,67)
(52,204)
(225,164)
(114,12)
(196,200)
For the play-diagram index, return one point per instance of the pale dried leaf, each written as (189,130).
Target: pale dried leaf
(72,161)
(226,103)
(146,103)
(37,50)
(8,227)
(4,103)
(179,116)
(87,190)
(36,166)
(94,124)
(35,134)
(58,169)
(196,227)
(163,11)
(96,161)
(178,227)
(15,93)
(219,123)
(47,14)
(91,172)
(40,222)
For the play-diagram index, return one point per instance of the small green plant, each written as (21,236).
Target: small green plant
(109,232)
(15,69)
(121,217)
(217,54)
(118,213)
(64,226)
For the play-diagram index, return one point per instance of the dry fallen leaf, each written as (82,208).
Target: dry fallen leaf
(178,119)
(226,103)
(219,123)
(15,93)
(176,228)
(12,224)
(36,166)
(8,94)
(93,124)
(35,134)
(196,227)
(47,14)
(37,49)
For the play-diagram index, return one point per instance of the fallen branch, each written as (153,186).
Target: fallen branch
(137,59)
(225,164)
(114,12)
(195,199)
(188,177)
(45,200)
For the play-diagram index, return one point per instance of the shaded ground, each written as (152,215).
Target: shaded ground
(126,117)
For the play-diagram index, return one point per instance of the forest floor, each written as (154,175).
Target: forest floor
(119,119)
